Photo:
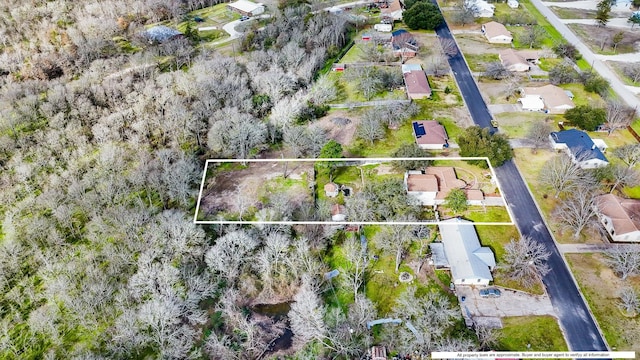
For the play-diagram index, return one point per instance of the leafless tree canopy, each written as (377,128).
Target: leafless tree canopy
(577,211)
(562,175)
(629,154)
(624,260)
(619,115)
(538,134)
(526,261)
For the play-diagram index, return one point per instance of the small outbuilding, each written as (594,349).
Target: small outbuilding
(514,4)
(383,27)
(338,212)
(331,189)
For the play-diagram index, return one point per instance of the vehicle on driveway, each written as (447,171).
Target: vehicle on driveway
(494,123)
(244,18)
(490,292)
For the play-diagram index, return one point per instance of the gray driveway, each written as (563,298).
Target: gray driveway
(488,311)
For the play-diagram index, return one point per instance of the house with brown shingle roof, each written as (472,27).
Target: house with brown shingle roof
(429,134)
(620,217)
(496,33)
(556,100)
(393,11)
(331,189)
(433,185)
(512,61)
(415,81)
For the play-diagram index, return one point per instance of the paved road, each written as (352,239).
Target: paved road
(580,330)
(604,71)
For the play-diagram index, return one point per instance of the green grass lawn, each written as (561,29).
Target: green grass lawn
(583,97)
(393,140)
(542,333)
(569,13)
(516,124)
(478,62)
(552,35)
(601,287)
(348,91)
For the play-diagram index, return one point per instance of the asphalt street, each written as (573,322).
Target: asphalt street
(580,330)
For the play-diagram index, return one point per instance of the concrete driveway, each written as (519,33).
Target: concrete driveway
(488,311)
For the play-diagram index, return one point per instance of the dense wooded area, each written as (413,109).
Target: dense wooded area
(101,144)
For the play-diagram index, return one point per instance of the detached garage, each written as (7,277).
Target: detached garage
(246,8)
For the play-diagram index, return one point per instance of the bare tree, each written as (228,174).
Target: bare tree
(633,71)
(623,176)
(577,211)
(437,63)
(526,261)
(359,207)
(306,315)
(532,35)
(561,174)
(629,301)
(628,153)
(624,259)
(354,271)
(230,253)
(449,46)
(619,115)
(233,133)
(465,12)
(396,239)
(488,338)
(496,70)
(538,134)
(370,128)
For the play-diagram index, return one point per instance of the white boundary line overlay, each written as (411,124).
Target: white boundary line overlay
(365,161)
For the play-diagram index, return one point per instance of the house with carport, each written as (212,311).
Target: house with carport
(460,250)
(620,217)
(556,100)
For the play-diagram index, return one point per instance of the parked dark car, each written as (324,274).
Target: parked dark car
(490,292)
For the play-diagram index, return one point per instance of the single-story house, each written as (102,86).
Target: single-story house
(338,212)
(383,27)
(161,33)
(496,33)
(556,101)
(531,56)
(532,103)
(483,8)
(246,7)
(513,4)
(512,61)
(404,44)
(433,185)
(429,134)
(620,217)
(470,263)
(582,150)
(393,11)
(415,81)
(331,189)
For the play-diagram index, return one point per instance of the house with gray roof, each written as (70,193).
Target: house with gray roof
(161,33)
(469,262)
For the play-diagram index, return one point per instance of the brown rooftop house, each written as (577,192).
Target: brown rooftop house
(430,135)
(393,11)
(415,81)
(620,217)
(556,100)
(497,33)
(331,189)
(404,44)
(513,61)
(433,185)
(378,353)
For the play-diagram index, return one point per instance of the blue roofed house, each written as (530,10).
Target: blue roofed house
(583,150)
(470,263)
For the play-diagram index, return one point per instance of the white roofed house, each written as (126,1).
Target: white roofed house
(469,262)
(482,8)
(246,7)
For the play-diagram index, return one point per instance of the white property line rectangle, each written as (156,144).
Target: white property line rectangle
(365,161)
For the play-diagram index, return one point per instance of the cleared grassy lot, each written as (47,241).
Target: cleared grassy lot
(541,333)
(600,286)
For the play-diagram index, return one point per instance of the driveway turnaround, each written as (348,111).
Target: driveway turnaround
(581,331)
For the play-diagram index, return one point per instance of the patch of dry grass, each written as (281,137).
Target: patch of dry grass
(600,286)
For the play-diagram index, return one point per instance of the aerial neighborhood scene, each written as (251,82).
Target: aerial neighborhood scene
(308,179)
